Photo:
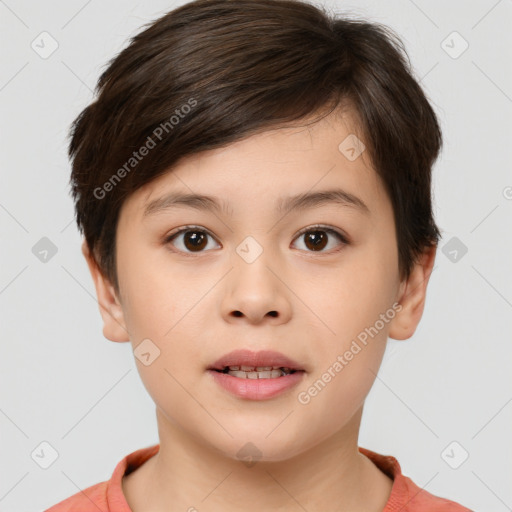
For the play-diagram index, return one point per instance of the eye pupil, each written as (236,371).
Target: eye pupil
(317,239)
(197,239)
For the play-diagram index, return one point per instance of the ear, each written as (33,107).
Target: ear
(412,297)
(114,328)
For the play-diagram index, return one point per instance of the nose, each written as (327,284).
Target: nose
(257,291)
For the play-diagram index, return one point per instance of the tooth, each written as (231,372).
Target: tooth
(242,375)
(234,367)
(263,368)
(246,368)
(273,374)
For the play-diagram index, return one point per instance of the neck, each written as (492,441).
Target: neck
(185,473)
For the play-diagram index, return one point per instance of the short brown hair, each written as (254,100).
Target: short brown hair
(240,67)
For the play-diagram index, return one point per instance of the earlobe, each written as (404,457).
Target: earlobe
(114,327)
(412,296)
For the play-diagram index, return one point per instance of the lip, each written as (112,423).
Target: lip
(256,389)
(262,358)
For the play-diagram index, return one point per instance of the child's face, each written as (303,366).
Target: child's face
(197,306)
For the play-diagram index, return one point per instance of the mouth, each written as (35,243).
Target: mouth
(265,364)
(257,372)
(256,375)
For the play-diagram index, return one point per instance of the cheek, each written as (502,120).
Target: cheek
(353,307)
(162,306)
(156,297)
(345,362)
(347,298)
(160,317)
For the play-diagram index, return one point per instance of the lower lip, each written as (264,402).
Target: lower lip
(256,389)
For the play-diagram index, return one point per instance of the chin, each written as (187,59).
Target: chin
(258,448)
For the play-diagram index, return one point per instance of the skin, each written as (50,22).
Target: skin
(185,303)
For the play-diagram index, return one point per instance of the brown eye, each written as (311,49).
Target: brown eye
(317,238)
(190,240)
(195,240)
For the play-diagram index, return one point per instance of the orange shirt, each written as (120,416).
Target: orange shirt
(108,496)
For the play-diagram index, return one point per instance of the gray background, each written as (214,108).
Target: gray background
(64,384)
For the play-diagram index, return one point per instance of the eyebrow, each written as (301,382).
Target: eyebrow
(297,202)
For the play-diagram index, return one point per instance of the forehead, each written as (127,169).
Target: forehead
(277,169)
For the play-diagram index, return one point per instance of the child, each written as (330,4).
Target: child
(254,186)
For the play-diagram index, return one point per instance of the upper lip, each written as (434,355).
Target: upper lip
(254,359)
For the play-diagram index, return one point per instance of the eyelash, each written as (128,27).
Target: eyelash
(317,227)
